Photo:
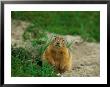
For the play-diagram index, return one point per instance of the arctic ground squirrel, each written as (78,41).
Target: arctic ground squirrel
(58,55)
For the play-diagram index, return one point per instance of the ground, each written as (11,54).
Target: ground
(86,59)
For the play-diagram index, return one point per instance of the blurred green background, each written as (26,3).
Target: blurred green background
(83,23)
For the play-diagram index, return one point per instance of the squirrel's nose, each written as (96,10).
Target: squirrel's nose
(58,43)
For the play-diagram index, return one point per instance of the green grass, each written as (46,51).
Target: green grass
(85,23)
(22,65)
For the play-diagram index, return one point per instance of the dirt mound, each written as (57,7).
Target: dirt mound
(86,60)
(17,30)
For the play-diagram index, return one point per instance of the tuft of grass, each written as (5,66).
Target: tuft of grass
(69,44)
(38,38)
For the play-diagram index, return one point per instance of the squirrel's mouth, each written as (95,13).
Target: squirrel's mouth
(57,45)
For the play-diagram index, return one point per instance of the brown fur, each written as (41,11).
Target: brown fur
(58,55)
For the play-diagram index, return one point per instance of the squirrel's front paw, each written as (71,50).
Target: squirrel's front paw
(59,74)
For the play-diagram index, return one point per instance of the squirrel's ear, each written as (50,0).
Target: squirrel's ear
(55,37)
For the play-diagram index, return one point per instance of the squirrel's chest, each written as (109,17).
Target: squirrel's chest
(57,54)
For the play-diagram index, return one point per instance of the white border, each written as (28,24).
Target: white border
(55,7)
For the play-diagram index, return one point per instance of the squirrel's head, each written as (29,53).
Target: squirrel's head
(58,42)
